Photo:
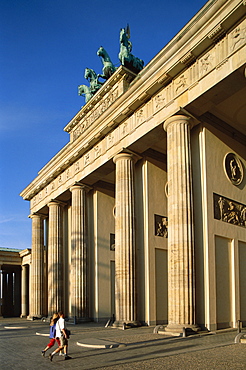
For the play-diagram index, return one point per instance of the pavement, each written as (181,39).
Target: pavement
(92,346)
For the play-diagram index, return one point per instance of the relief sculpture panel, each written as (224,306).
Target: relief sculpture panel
(238,36)
(228,210)
(161,226)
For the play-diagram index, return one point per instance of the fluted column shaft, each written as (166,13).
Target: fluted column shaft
(79,254)
(55,258)
(24,291)
(181,301)
(37,267)
(125,274)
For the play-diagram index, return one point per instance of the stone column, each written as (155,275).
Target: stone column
(125,274)
(1,291)
(55,258)
(37,267)
(4,292)
(24,291)
(181,296)
(79,299)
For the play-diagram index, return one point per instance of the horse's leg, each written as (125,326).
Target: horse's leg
(102,76)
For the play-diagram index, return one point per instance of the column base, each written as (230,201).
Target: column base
(34,317)
(23,316)
(78,320)
(178,329)
(126,324)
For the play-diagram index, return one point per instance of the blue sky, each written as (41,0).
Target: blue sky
(45,47)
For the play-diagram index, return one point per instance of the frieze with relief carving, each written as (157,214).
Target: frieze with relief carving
(229,211)
(95,114)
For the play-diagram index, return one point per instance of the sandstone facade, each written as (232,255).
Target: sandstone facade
(142,215)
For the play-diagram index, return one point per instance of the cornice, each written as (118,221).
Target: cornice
(25,252)
(212,22)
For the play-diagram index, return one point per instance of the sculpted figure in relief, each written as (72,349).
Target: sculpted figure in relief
(221,203)
(238,36)
(181,83)
(159,101)
(243,215)
(232,214)
(161,226)
(234,168)
(206,63)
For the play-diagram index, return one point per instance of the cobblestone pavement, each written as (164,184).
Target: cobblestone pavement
(20,348)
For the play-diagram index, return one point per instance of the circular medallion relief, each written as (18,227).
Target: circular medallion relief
(233,168)
(166,189)
(114,211)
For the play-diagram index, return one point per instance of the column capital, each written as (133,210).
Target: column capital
(56,203)
(125,155)
(37,215)
(177,119)
(79,185)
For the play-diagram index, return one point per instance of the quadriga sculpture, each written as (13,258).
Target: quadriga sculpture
(127,59)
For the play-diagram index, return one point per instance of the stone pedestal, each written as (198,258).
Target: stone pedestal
(37,267)
(125,274)
(78,282)
(181,300)
(55,258)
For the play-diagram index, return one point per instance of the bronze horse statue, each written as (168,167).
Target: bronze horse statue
(95,85)
(108,67)
(86,91)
